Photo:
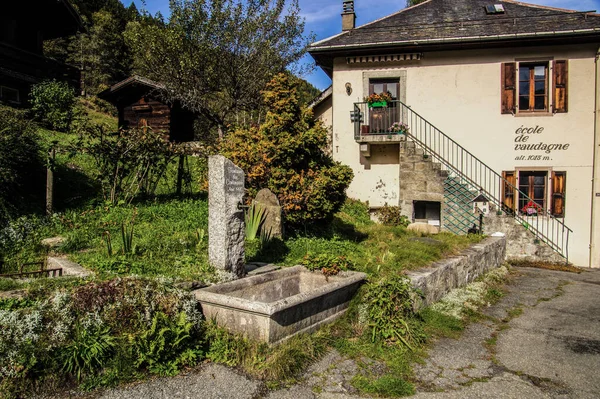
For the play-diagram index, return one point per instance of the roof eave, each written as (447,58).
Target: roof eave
(466,39)
(324,55)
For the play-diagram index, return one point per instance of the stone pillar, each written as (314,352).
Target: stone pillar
(226,232)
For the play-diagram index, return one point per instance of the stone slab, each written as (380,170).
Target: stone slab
(69,268)
(273,223)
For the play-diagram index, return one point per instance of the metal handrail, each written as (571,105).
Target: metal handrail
(455,158)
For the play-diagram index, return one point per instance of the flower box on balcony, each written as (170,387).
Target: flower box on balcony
(378,104)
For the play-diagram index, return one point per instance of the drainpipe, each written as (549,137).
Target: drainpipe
(595,219)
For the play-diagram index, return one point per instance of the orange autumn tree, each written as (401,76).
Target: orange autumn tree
(287,155)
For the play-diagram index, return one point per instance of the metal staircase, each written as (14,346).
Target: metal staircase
(467,176)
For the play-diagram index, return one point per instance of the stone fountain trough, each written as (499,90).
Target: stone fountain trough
(277,305)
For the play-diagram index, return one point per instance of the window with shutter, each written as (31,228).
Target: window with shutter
(509,92)
(528,87)
(558,193)
(508,191)
(559,98)
(539,194)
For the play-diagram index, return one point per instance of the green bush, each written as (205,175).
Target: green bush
(389,215)
(21,166)
(287,155)
(391,314)
(53,104)
(328,264)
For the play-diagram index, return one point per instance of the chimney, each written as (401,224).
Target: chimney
(348,15)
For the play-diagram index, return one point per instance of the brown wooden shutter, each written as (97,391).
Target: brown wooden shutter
(509,88)
(508,190)
(559,89)
(558,193)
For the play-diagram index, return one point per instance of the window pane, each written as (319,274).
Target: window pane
(377,88)
(540,87)
(539,180)
(524,88)
(393,89)
(523,72)
(540,102)
(539,71)
(523,103)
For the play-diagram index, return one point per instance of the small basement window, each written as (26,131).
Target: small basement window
(427,211)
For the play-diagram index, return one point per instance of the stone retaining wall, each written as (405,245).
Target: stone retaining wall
(520,244)
(442,276)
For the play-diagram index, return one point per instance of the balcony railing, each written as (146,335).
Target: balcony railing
(460,162)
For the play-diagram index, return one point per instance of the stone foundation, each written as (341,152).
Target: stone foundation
(520,243)
(450,273)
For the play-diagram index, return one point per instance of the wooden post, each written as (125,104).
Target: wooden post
(180,173)
(50,180)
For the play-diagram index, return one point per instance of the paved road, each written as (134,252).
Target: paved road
(542,340)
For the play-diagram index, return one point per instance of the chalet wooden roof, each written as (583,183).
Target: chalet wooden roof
(56,18)
(133,83)
(451,24)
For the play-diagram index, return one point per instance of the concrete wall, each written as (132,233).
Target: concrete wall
(450,273)
(459,92)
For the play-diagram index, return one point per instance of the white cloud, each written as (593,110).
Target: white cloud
(314,13)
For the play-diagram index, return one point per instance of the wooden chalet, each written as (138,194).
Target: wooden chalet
(24,25)
(139,104)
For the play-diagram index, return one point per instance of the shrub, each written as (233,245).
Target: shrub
(391,313)
(391,216)
(286,154)
(329,264)
(53,102)
(129,162)
(21,166)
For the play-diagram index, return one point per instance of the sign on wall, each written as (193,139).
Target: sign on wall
(530,144)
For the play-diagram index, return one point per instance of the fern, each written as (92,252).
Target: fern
(167,345)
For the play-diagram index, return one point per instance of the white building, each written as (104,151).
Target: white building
(499,98)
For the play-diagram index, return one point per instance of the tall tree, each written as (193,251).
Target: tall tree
(215,56)
(101,53)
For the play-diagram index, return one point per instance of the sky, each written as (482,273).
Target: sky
(322,17)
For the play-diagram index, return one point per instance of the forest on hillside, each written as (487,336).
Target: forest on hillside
(214,57)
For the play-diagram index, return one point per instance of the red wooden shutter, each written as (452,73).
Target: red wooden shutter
(509,88)
(559,86)
(558,193)
(508,190)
